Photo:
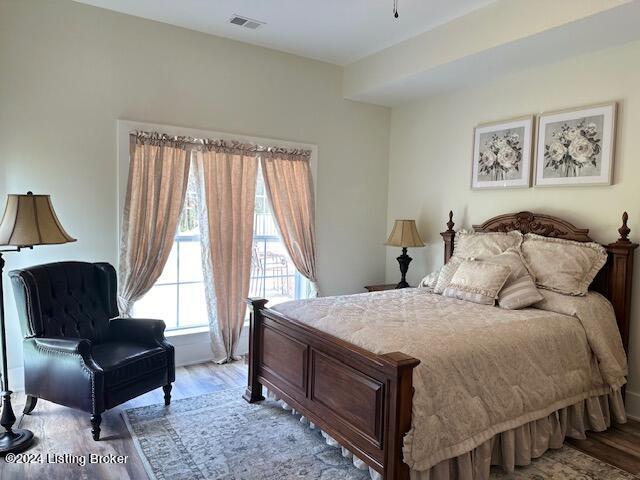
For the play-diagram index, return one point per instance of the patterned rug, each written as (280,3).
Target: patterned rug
(220,436)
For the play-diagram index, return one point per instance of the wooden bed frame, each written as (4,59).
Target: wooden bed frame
(363,400)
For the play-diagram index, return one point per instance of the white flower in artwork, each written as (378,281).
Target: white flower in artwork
(507,157)
(488,158)
(501,142)
(581,149)
(591,129)
(571,133)
(556,150)
(514,137)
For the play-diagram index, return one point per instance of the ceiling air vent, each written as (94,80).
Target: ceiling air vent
(245,22)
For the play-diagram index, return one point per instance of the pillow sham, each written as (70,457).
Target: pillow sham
(446,273)
(430,280)
(478,281)
(481,246)
(563,266)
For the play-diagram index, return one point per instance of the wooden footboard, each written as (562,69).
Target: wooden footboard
(361,399)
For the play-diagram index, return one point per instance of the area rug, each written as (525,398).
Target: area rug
(220,436)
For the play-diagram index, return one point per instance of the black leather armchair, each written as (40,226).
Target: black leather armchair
(77,352)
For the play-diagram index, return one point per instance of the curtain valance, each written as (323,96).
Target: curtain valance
(286,153)
(160,139)
(219,145)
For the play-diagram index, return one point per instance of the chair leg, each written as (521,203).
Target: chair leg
(95,426)
(30,404)
(167,394)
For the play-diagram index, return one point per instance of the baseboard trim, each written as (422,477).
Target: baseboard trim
(16,379)
(190,354)
(16,375)
(191,349)
(632,405)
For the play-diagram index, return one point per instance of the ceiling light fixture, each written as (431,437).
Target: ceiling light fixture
(395,8)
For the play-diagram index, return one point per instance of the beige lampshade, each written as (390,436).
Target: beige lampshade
(30,220)
(404,234)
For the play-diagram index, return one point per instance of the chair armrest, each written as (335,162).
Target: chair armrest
(79,346)
(63,371)
(146,331)
(138,329)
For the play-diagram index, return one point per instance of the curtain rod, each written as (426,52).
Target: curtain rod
(216,144)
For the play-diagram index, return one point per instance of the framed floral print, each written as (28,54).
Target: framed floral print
(502,154)
(576,147)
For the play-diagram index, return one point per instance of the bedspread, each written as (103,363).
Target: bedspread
(483,370)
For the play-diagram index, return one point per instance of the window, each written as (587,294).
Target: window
(178,296)
(273,275)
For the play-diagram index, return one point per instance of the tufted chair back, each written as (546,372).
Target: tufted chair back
(66,299)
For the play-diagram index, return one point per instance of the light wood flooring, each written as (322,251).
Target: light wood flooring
(62,430)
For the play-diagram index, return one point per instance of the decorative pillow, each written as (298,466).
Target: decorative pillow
(484,245)
(519,293)
(478,281)
(446,273)
(563,266)
(513,259)
(430,280)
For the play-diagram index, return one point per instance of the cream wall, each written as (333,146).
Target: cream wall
(430,161)
(68,71)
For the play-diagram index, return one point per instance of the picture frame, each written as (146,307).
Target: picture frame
(502,153)
(576,147)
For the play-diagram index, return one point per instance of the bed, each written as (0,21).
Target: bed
(363,396)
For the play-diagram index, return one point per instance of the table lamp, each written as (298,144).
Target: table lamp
(404,234)
(28,220)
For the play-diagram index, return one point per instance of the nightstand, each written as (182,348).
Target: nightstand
(378,288)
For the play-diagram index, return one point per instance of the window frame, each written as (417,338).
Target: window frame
(297,276)
(178,239)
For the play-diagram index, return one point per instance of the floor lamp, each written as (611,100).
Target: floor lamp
(28,220)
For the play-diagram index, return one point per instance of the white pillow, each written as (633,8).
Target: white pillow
(446,273)
(563,266)
(478,281)
(430,280)
(481,245)
(519,291)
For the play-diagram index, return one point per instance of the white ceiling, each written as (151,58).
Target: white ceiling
(607,29)
(611,27)
(334,31)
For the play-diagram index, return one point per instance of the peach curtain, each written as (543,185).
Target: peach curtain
(158,175)
(228,186)
(289,185)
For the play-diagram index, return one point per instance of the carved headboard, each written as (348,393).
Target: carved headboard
(613,281)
